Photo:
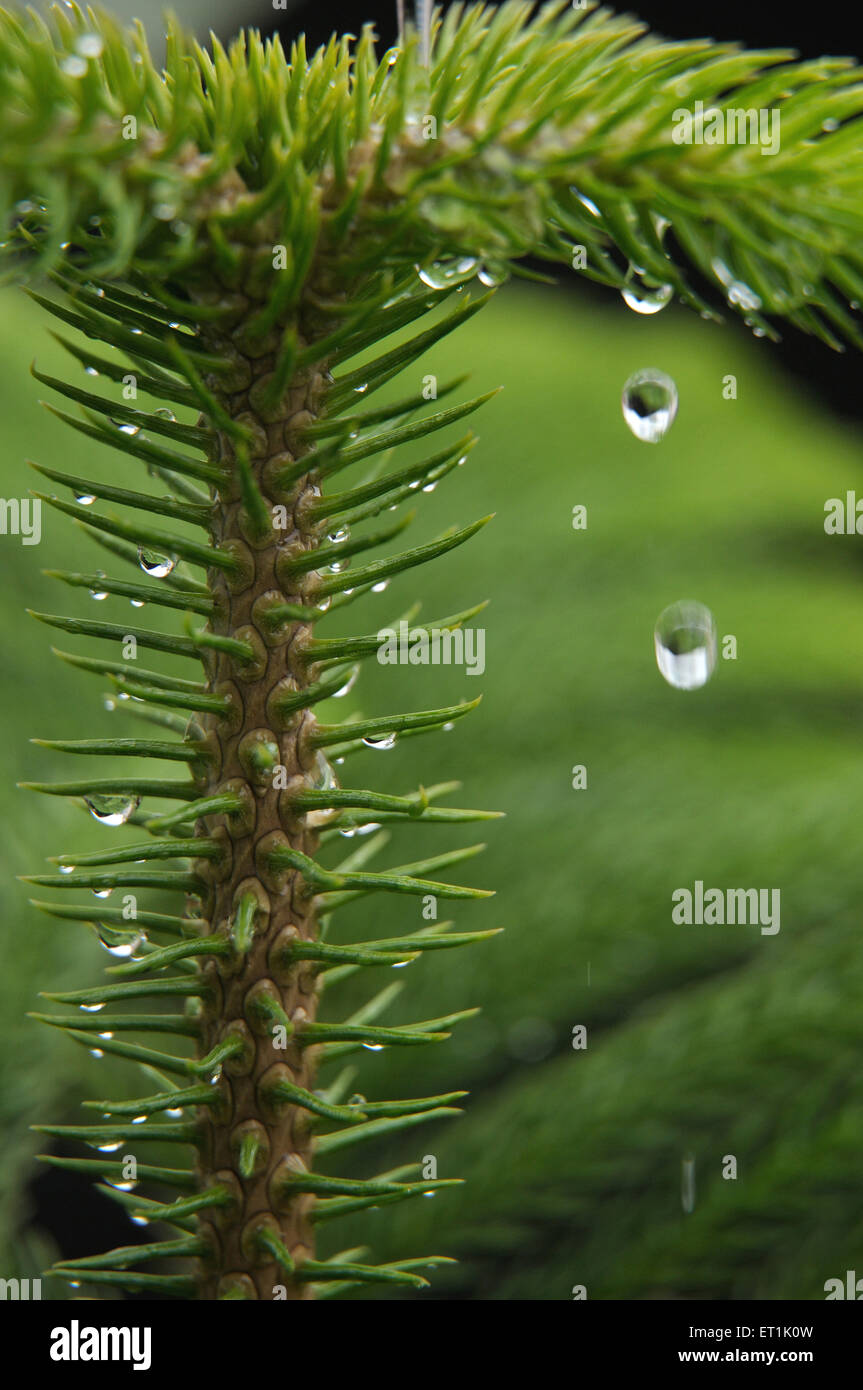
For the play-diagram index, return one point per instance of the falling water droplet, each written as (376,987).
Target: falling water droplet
(112,810)
(85,499)
(687,1184)
(646,299)
(685,643)
(154,564)
(649,404)
(444,274)
(382,742)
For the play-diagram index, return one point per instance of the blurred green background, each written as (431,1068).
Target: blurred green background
(702,1042)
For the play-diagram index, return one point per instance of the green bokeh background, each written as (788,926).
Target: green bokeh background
(702,1041)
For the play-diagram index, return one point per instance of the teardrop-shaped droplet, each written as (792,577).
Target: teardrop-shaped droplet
(154,564)
(646,299)
(685,642)
(348,685)
(112,810)
(492,273)
(649,404)
(443,275)
(381,742)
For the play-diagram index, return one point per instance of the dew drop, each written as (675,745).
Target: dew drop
(73,66)
(91,1008)
(444,274)
(373,1047)
(96,1052)
(137,602)
(492,274)
(448,727)
(127,427)
(647,299)
(109,1148)
(350,831)
(67,868)
(649,404)
(89,46)
(381,742)
(163,412)
(830,124)
(112,810)
(139,1120)
(348,685)
(587,203)
(380,586)
(175,1114)
(85,499)
(121,1186)
(685,643)
(340,536)
(90,371)
(139,1220)
(99,594)
(154,564)
(430,487)
(102,892)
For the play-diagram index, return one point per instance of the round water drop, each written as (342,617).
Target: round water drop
(154,564)
(112,810)
(163,412)
(73,66)
(444,274)
(382,742)
(89,46)
(338,567)
(340,536)
(685,643)
(647,299)
(85,499)
(649,404)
